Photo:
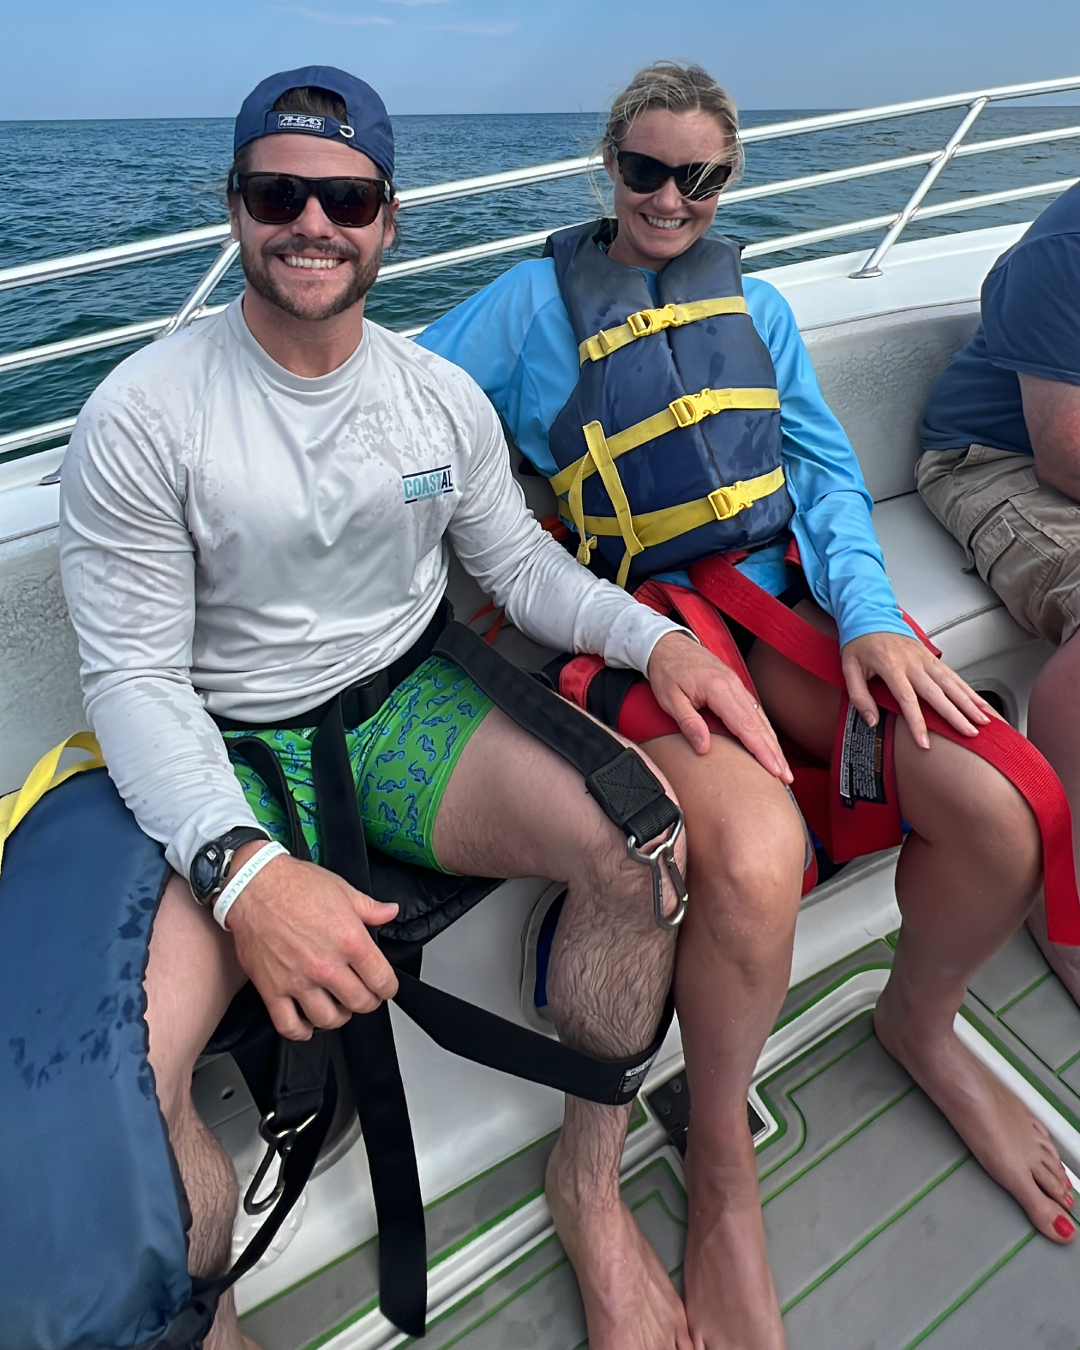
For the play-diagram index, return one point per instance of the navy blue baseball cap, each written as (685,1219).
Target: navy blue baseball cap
(367,127)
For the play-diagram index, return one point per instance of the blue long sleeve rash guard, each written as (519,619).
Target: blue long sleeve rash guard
(515,339)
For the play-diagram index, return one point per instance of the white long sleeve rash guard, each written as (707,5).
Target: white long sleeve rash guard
(239,540)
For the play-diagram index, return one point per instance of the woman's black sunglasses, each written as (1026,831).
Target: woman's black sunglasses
(278,198)
(695,182)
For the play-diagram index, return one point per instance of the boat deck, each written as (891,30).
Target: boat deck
(883,1231)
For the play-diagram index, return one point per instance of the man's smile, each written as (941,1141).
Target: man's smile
(298,260)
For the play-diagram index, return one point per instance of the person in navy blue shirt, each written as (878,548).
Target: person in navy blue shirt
(1001,471)
(966,877)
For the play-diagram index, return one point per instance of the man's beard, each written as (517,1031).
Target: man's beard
(362,276)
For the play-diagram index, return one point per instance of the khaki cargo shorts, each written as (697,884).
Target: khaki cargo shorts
(1022,537)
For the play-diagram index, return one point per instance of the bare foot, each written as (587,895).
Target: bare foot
(730,1300)
(1014,1147)
(630,1303)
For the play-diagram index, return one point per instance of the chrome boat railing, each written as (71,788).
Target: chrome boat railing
(936,161)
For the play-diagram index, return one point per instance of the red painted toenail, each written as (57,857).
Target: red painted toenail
(1063,1227)
(1070,1201)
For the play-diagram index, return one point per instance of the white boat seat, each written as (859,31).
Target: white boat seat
(876,374)
(957,609)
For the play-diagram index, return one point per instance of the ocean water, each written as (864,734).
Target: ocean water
(71,186)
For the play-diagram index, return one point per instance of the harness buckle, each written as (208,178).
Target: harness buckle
(279,1142)
(729,501)
(662,859)
(647,321)
(686,410)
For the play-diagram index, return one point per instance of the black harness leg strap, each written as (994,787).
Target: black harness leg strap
(188,1330)
(485,1038)
(262,759)
(624,786)
(296,1100)
(631,796)
(368,1042)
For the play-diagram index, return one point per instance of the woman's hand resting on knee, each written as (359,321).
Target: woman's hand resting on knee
(685,677)
(911,672)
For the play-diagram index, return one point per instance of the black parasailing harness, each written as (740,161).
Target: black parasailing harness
(297,1085)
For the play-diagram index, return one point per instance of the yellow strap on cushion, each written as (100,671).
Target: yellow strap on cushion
(681,412)
(648,321)
(43,777)
(657,527)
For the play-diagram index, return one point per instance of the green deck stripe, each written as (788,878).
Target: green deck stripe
(845,1139)
(973,1288)
(775,1104)
(492,1312)
(875,1232)
(1048,974)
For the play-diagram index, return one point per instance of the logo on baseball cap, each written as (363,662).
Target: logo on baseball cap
(366,128)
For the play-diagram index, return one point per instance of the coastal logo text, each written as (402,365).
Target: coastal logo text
(419,487)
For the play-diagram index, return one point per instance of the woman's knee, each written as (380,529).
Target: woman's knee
(958,801)
(746,864)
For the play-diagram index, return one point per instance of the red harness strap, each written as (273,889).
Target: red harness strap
(998,743)
(641,718)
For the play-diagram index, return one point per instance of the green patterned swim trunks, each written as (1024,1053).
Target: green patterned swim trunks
(402,759)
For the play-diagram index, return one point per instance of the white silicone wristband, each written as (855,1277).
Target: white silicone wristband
(251,868)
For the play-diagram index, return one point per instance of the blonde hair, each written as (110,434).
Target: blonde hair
(676,87)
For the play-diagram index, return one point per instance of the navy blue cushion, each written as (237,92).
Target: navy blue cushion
(93,1240)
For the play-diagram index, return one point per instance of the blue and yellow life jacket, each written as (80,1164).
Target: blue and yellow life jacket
(669,447)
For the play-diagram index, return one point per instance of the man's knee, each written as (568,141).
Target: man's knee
(191,978)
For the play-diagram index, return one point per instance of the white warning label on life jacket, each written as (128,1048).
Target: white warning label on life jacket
(862,760)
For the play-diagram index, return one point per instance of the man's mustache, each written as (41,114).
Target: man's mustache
(323,248)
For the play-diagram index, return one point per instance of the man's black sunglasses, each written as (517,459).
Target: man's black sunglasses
(278,198)
(695,182)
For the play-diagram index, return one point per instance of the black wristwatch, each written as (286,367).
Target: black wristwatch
(210,864)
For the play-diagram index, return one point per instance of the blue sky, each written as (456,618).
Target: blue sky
(156,58)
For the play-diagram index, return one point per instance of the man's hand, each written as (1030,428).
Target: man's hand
(685,677)
(302,936)
(911,673)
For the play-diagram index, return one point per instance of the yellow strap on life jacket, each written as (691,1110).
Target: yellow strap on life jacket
(44,776)
(657,527)
(648,321)
(681,412)
(600,461)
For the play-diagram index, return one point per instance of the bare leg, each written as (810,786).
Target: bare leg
(1053,725)
(514,808)
(967,876)
(191,977)
(746,854)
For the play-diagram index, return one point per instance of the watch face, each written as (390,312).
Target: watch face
(205,870)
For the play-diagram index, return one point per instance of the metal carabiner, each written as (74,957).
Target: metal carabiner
(280,1143)
(663,857)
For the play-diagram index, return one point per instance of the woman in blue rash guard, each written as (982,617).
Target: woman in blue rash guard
(627,317)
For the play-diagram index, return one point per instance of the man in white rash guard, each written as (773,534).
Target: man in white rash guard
(257,513)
